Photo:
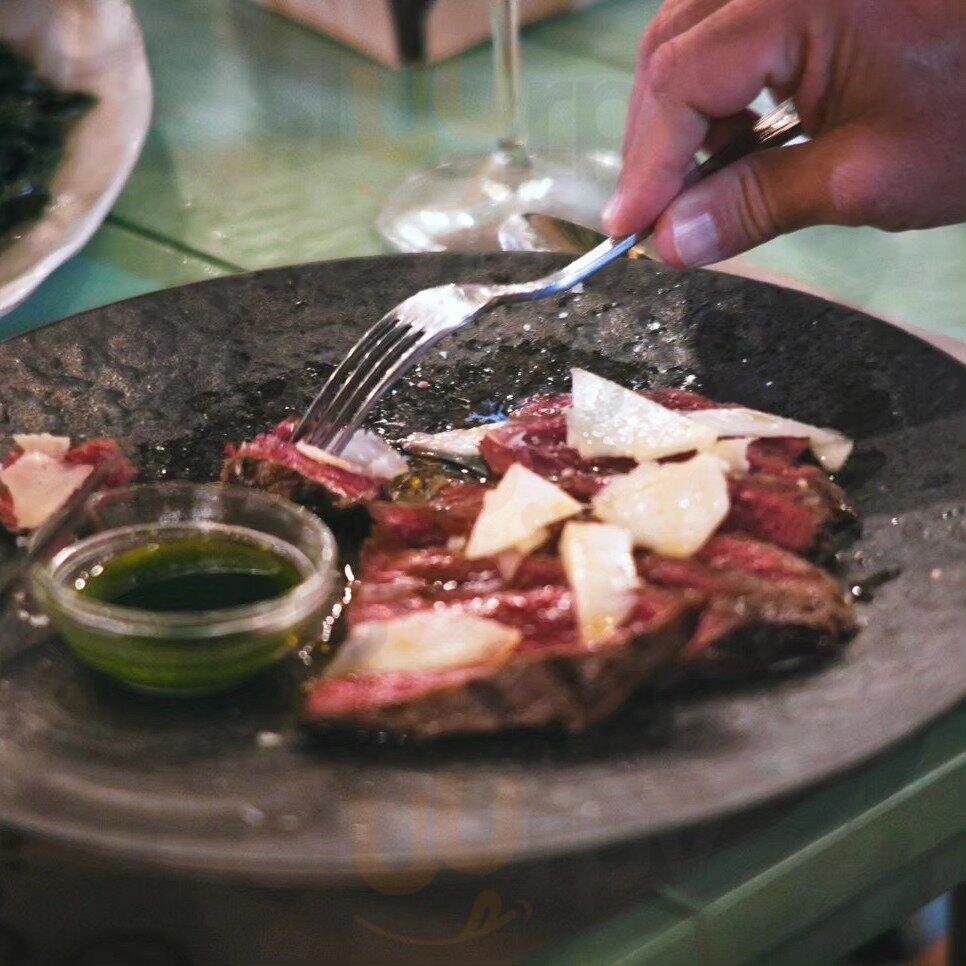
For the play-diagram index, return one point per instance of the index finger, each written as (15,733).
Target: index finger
(713,70)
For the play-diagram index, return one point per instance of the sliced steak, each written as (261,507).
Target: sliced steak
(744,604)
(743,607)
(536,436)
(272,462)
(782,499)
(551,680)
(797,512)
(449,514)
(765,609)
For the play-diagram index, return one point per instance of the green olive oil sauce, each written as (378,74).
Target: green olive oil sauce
(190,574)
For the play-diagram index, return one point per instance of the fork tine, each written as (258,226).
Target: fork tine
(346,413)
(358,374)
(342,374)
(329,419)
(337,377)
(364,404)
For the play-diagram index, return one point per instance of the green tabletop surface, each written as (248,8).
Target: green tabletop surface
(271,145)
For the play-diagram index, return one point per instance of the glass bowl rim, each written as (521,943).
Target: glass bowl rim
(288,608)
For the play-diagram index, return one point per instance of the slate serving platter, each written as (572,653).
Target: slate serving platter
(232,785)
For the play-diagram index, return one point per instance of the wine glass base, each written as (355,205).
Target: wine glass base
(460,205)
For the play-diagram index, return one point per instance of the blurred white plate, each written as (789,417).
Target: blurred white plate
(93,46)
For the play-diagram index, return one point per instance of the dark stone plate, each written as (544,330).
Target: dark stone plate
(231,784)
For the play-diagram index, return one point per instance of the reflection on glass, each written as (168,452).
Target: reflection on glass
(461,204)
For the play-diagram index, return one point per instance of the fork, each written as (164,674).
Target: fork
(407,332)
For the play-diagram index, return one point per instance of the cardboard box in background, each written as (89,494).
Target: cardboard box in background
(397,32)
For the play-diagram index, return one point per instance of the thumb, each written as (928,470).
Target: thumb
(761,196)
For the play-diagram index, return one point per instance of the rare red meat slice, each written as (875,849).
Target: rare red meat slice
(53,475)
(797,512)
(540,444)
(447,515)
(777,455)
(781,499)
(757,607)
(106,453)
(764,606)
(552,679)
(744,604)
(272,462)
(536,436)
(752,590)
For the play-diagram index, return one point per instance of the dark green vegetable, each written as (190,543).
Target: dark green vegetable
(34,121)
(191,574)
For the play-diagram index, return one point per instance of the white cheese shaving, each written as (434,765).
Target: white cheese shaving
(599,562)
(672,508)
(55,446)
(508,561)
(520,507)
(606,419)
(376,457)
(424,641)
(456,445)
(365,453)
(39,485)
(831,448)
(734,452)
(321,456)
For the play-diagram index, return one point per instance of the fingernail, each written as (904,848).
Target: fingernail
(694,232)
(612,206)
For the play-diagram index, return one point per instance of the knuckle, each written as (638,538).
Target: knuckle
(758,217)
(660,30)
(660,67)
(650,41)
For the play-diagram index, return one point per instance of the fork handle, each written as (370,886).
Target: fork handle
(570,275)
(773,129)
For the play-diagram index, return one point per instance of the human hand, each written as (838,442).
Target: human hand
(880,86)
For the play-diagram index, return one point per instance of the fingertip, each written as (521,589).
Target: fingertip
(610,211)
(661,244)
(625,214)
(660,66)
(614,218)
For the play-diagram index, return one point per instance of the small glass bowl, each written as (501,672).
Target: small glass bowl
(182,652)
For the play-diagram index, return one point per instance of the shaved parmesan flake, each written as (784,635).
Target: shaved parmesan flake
(734,452)
(508,561)
(455,445)
(599,563)
(606,419)
(39,485)
(831,448)
(424,641)
(374,455)
(521,506)
(672,508)
(55,446)
(365,453)
(530,543)
(321,456)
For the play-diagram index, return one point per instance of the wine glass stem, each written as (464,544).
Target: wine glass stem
(506,53)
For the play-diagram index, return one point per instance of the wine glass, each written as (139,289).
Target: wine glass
(461,204)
